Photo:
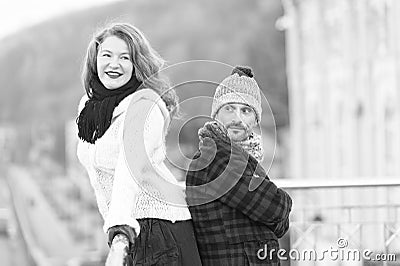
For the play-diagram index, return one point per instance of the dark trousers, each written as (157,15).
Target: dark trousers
(162,242)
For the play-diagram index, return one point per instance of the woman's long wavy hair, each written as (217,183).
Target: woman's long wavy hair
(146,61)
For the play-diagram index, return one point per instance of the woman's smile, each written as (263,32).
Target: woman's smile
(113,74)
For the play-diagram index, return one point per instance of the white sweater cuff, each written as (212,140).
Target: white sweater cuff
(122,221)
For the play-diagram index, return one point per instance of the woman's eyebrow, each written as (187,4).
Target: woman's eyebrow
(109,51)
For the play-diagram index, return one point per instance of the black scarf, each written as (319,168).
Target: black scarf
(95,118)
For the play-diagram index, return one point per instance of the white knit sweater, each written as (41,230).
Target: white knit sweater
(126,165)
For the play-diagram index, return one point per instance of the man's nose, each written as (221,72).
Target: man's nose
(236,117)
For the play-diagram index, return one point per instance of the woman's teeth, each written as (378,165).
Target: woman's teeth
(113,74)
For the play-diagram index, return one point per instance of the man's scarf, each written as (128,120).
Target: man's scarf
(227,163)
(95,118)
(215,130)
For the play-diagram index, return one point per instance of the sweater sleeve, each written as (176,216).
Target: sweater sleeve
(122,199)
(143,135)
(145,150)
(141,155)
(125,185)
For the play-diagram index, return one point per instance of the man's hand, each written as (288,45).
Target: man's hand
(118,251)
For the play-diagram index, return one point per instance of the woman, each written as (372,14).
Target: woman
(127,109)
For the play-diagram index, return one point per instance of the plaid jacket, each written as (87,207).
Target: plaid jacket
(233,210)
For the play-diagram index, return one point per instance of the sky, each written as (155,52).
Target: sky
(18,14)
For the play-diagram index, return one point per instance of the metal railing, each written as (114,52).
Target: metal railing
(307,184)
(362,225)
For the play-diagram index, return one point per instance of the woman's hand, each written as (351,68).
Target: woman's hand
(118,251)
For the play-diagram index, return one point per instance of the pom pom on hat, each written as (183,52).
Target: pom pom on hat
(239,87)
(243,70)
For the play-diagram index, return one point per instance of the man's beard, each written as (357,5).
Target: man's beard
(239,125)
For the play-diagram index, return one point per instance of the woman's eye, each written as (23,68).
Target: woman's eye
(106,55)
(125,58)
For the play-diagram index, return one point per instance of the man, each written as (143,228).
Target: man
(238,213)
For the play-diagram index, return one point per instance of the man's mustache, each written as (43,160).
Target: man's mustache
(237,125)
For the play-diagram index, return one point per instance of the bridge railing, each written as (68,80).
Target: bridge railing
(351,215)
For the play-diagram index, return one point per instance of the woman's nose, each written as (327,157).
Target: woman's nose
(114,62)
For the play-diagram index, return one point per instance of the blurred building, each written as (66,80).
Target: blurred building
(343,65)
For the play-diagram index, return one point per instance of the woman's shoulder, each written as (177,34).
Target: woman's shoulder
(146,94)
(143,95)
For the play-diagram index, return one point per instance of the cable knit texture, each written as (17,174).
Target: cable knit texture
(238,88)
(134,184)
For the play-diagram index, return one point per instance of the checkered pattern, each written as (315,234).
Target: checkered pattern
(240,215)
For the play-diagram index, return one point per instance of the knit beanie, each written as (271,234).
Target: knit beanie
(239,87)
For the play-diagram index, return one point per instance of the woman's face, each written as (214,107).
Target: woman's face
(114,64)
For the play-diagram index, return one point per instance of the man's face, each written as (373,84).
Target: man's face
(238,119)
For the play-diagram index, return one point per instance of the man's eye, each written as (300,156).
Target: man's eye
(246,110)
